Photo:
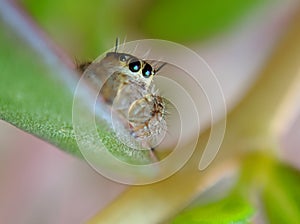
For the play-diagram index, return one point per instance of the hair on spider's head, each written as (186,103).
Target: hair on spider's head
(117,44)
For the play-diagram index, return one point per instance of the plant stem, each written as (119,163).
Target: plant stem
(249,128)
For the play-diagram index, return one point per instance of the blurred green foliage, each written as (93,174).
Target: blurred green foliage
(232,209)
(86,28)
(281,197)
(275,184)
(179,20)
(263,178)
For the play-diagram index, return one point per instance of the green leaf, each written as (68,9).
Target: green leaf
(33,99)
(281,195)
(231,209)
(277,185)
(190,20)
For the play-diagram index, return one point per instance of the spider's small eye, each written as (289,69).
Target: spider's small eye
(122,57)
(135,66)
(147,71)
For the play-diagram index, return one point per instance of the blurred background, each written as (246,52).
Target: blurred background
(40,183)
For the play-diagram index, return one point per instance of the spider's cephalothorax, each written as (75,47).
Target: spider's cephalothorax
(128,87)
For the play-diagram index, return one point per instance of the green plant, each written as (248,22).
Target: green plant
(35,99)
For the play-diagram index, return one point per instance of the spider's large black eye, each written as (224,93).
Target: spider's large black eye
(134,66)
(147,71)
